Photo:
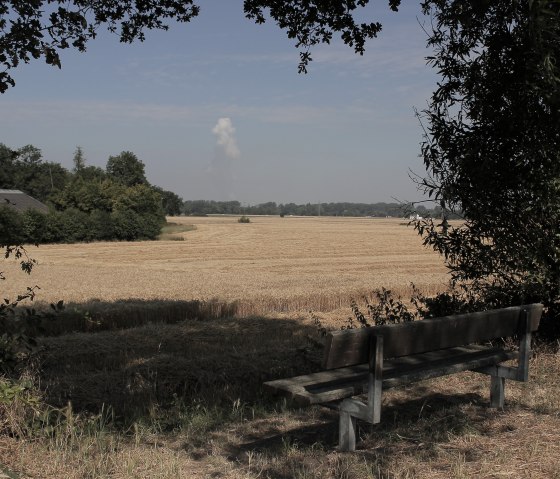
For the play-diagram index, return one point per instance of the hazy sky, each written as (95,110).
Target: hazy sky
(216,109)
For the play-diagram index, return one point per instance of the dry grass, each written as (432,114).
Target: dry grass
(270,265)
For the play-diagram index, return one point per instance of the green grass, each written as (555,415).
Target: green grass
(173,232)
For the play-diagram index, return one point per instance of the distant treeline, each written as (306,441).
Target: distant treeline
(395,210)
(87,203)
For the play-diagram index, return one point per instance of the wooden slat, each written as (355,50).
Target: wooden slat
(346,382)
(375,380)
(333,385)
(350,347)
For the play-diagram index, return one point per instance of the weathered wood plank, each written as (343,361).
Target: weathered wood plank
(497,391)
(333,385)
(524,351)
(375,380)
(347,432)
(349,347)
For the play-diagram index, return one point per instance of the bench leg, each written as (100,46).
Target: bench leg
(347,432)
(350,410)
(497,386)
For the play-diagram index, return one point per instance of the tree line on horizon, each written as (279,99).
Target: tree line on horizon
(381,210)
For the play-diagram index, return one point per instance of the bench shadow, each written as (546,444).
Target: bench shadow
(400,433)
(325,432)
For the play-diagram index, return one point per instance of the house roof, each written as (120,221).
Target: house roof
(20,201)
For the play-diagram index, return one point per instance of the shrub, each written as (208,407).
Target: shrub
(74,225)
(383,308)
(34,226)
(244,219)
(101,226)
(11,226)
(150,226)
(127,225)
(54,228)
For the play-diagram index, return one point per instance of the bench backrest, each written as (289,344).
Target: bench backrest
(351,346)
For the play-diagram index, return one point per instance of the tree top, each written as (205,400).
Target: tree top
(41,29)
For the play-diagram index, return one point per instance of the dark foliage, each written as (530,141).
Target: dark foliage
(492,149)
(18,325)
(42,29)
(88,204)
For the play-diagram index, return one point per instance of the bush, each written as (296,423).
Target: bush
(11,227)
(34,226)
(150,226)
(126,225)
(54,228)
(137,215)
(244,219)
(101,226)
(75,225)
(383,308)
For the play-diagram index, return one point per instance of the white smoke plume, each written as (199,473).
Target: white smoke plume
(225,131)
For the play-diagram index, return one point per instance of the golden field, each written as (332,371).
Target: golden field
(269,265)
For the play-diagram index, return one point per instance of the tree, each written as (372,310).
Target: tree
(29,155)
(126,169)
(7,168)
(85,195)
(43,180)
(171,202)
(92,173)
(79,160)
(492,148)
(43,28)
(23,169)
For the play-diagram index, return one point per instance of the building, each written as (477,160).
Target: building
(19,201)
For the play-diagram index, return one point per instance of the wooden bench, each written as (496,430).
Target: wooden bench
(368,360)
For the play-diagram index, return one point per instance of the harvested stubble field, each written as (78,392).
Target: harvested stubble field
(267,266)
(184,400)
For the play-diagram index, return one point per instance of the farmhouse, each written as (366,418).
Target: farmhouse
(19,201)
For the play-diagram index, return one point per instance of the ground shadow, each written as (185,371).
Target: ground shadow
(96,315)
(325,431)
(200,359)
(415,426)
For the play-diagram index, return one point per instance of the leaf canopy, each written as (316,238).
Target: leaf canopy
(43,28)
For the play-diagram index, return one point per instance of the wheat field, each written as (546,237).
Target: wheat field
(269,265)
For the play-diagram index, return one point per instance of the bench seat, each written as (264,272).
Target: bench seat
(336,384)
